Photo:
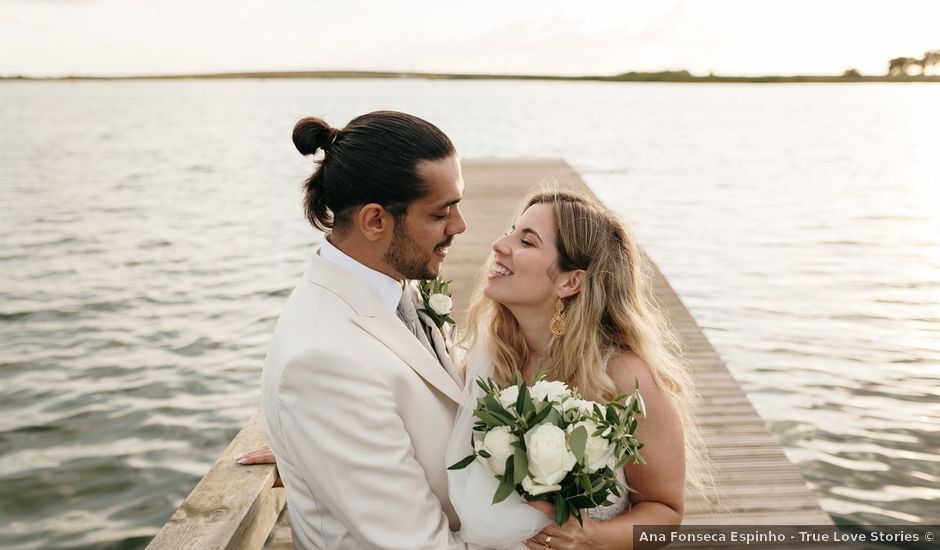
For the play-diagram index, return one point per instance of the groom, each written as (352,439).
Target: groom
(358,391)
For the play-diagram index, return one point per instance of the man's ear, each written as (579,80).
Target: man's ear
(374,221)
(569,283)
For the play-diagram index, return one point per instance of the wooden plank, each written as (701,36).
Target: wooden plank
(282,538)
(794,517)
(260,529)
(222,507)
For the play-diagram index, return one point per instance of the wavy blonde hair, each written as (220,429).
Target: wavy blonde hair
(616,310)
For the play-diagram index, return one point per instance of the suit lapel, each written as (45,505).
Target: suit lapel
(441,346)
(389,330)
(375,318)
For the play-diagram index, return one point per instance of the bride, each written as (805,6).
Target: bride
(569,260)
(568,292)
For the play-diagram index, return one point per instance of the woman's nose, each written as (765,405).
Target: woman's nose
(500,246)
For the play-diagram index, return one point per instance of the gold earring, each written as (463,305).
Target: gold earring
(559,321)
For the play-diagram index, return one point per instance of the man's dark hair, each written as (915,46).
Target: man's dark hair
(374,159)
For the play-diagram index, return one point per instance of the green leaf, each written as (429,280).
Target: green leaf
(496,409)
(463,463)
(509,470)
(492,404)
(503,491)
(581,501)
(577,515)
(525,401)
(578,440)
(482,385)
(561,510)
(489,419)
(611,415)
(522,398)
(623,461)
(584,481)
(520,465)
(484,453)
(554,418)
(543,409)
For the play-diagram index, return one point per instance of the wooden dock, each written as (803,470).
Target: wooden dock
(235,507)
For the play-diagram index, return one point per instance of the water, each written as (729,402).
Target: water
(151,232)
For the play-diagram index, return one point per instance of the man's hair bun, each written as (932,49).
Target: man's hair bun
(312,134)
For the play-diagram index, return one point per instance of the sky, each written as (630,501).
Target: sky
(729,37)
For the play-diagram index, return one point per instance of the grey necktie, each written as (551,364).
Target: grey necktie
(409,316)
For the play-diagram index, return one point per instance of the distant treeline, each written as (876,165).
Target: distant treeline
(898,71)
(900,66)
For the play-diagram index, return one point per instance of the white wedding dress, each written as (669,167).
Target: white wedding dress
(506,524)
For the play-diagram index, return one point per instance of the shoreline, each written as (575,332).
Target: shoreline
(662,76)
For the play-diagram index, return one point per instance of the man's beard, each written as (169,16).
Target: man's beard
(404,255)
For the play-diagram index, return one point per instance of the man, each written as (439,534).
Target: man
(359,397)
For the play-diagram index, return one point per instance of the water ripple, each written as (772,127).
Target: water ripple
(136,309)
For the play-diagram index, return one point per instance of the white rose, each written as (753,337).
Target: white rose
(549,390)
(597,450)
(584,407)
(508,396)
(535,489)
(548,454)
(441,304)
(498,443)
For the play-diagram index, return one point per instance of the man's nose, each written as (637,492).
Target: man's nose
(459,224)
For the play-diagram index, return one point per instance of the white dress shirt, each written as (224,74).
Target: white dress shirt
(386,288)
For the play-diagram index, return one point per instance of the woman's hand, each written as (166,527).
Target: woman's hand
(262,455)
(569,536)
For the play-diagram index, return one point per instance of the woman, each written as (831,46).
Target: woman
(567,291)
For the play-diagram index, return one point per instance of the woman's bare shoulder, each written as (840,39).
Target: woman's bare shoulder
(625,368)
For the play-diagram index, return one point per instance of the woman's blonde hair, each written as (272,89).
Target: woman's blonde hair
(615,310)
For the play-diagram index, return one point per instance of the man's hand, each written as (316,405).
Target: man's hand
(259,456)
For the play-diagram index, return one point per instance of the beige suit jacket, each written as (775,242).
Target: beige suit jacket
(358,414)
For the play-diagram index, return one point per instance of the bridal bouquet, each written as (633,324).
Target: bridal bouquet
(544,442)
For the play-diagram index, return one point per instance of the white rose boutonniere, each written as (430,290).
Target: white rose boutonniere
(435,295)
(441,304)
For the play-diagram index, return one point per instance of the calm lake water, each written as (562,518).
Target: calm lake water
(151,232)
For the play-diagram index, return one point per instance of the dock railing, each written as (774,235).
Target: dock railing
(232,507)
